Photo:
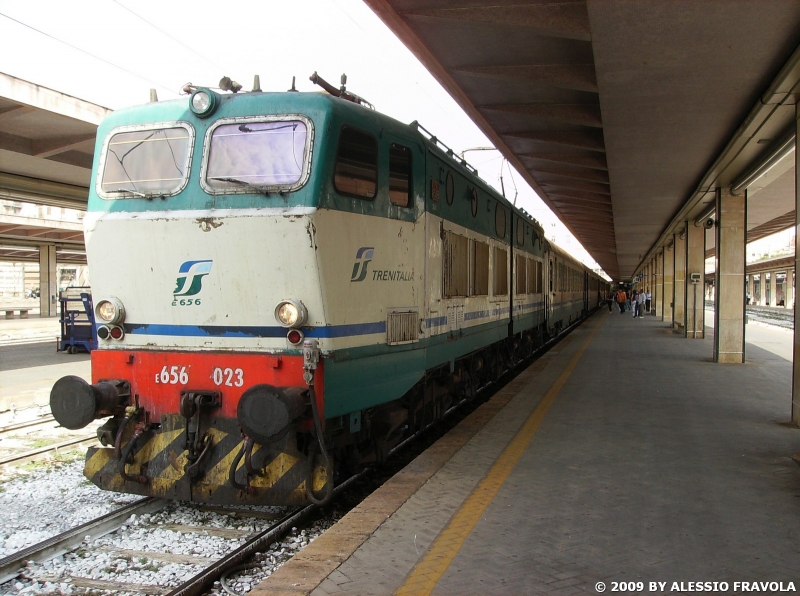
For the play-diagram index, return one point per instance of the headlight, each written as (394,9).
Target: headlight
(203,102)
(110,311)
(291,313)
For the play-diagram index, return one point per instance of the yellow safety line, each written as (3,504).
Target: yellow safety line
(424,577)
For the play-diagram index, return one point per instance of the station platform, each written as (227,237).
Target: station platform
(623,455)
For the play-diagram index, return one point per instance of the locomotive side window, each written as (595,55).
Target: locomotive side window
(247,155)
(356,171)
(500,272)
(400,175)
(551,275)
(146,162)
(500,221)
(539,277)
(455,265)
(480,268)
(530,266)
(521,274)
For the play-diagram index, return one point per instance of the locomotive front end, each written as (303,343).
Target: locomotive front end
(200,239)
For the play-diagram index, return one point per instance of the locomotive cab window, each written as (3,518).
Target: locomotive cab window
(245,155)
(146,162)
(400,175)
(356,172)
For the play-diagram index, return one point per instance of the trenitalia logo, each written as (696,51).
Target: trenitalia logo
(190,277)
(363,257)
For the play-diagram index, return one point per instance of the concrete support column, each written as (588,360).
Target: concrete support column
(730,260)
(773,288)
(669,273)
(48,281)
(694,320)
(762,287)
(657,307)
(751,288)
(789,293)
(679,284)
(796,358)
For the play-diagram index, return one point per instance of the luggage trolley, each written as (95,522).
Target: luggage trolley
(77,320)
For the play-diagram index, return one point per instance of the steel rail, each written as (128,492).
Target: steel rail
(205,579)
(21,425)
(45,449)
(61,543)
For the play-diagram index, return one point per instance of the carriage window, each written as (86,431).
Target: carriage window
(530,265)
(500,272)
(480,268)
(521,274)
(455,265)
(400,175)
(146,163)
(249,155)
(357,164)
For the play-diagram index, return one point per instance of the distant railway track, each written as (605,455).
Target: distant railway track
(20,425)
(41,451)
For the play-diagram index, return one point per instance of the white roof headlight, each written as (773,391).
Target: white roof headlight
(291,313)
(110,310)
(203,102)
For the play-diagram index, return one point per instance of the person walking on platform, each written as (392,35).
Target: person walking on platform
(621,298)
(640,303)
(635,303)
(610,301)
(647,298)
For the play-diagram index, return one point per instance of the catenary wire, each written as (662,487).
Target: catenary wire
(214,64)
(85,52)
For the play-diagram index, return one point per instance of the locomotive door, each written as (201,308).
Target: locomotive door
(585,293)
(549,295)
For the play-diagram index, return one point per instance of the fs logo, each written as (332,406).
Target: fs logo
(190,277)
(363,257)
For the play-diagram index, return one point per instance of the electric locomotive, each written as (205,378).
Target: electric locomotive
(286,286)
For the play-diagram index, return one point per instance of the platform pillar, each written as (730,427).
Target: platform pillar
(789,292)
(658,291)
(751,289)
(679,283)
(773,288)
(796,358)
(669,273)
(48,281)
(729,302)
(694,319)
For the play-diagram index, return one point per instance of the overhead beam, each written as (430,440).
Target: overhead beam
(556,19)
(596,161)
(579,114)
(49,147)
(595,177)
(578,77)
(583,140)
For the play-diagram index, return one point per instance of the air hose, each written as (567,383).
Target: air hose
(325,457)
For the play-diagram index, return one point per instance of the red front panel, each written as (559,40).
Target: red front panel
(159,377)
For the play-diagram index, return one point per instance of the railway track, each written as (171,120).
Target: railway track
(57,560)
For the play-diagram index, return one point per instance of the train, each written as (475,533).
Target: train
(287,285)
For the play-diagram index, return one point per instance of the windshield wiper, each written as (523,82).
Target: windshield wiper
(258,187)
(132,191)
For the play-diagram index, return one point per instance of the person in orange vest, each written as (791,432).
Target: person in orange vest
(621,299)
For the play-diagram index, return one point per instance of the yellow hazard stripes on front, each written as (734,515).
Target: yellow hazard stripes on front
(423,578)
(281,478)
